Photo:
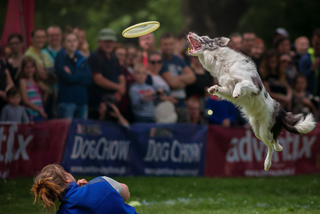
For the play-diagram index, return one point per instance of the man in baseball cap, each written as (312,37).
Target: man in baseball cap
(107,76)
(106,34)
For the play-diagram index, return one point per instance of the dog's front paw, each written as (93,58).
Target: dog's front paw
(213,89)
(236,94)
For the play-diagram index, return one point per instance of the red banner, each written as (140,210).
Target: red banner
(236,152)
(19,19)
(25,149)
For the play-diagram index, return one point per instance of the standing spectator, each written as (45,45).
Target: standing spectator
(274,79)
(309,65)
(36,51)
(288,67)
(45,68)
(178,76)
(54,40)
(248,40)
(15,42)
(220,112)
(83,47)
(301,45)
(279,33)
(147,43)
(300,100)
(203,80)
(181,47)
(235,41)
(159,84)
(106,72)
(142,96)
(195,111)
(73,77)
(30,89)
(283,46)
(5,83)
(13,112)
(121,53)
(257,51)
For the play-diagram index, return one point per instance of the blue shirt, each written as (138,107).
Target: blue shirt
(72,87)
(218,110)
(97,197)
(175,66)
(305,64)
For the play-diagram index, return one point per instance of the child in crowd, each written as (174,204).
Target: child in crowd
(300,100)
(142,96)
(30,89)
(14,112)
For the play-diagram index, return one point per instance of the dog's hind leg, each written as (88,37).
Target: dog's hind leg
(267,161)
(255,127)
(267,139)
(244,87)
(277,146)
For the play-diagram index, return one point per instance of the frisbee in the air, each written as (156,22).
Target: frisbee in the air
(140,29)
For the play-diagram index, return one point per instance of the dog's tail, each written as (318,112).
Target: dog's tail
(298,123)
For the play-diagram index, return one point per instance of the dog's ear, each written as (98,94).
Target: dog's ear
(223,41)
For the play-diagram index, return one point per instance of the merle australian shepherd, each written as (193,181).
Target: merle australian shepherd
(240,83)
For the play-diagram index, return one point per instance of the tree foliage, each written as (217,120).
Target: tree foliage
(114,14)
(211,17)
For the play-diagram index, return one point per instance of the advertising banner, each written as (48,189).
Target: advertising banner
(237,152)
(100,148)
(25,149)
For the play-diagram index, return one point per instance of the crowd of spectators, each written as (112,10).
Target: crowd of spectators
(58,76)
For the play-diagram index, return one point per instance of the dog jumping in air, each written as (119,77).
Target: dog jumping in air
(240,83)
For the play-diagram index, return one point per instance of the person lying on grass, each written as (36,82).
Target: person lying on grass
(100,195)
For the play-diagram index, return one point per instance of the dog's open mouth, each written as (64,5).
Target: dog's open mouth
(195,44)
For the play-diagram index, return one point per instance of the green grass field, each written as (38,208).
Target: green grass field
(299,194)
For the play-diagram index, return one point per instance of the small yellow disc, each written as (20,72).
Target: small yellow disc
(140,29)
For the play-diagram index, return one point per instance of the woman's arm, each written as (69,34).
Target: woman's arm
(8,81)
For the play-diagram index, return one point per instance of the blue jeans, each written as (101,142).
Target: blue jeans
(73,110)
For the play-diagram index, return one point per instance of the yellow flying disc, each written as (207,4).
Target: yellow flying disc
(140,29)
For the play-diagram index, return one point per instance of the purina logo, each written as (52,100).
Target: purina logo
(160,132)
(91,129)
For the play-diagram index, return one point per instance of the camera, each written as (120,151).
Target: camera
(109,99)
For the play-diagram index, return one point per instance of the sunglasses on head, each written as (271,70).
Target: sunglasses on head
(154,62)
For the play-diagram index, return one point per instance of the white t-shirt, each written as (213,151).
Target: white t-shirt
(159,83)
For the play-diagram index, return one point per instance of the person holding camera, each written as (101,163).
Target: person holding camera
(155,65)
(108,111)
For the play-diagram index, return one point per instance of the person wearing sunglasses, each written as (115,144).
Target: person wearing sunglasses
(178,75)
(155,66)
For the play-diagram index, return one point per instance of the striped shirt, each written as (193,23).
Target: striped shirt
(142,109)
(34,96)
